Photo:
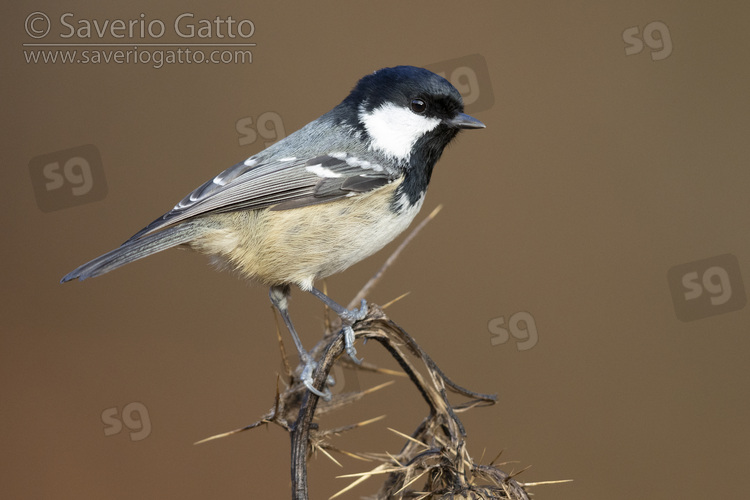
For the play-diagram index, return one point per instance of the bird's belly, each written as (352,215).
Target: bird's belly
(301,245)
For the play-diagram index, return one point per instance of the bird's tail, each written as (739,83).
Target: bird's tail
(133,250)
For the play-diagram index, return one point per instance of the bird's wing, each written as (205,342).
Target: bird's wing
(282,183)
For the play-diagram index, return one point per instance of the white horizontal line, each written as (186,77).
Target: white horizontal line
(139,44)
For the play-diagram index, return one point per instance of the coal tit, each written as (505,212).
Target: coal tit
(320,200)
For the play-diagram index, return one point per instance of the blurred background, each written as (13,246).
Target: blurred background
(589,265)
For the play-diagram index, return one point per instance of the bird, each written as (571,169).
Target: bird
(319,200)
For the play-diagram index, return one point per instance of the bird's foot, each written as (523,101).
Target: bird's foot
(351,316)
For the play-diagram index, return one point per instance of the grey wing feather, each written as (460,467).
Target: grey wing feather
(283,185)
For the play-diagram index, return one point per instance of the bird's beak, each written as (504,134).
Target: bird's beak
(462,120)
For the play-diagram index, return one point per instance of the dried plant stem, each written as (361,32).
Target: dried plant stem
(434,455)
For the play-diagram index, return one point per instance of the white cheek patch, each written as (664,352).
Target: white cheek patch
(394,129)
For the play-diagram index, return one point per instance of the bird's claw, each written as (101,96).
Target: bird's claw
(307,380)
(349,344)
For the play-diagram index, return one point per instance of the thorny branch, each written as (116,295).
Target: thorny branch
(434,456)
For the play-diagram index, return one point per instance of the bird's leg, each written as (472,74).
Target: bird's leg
(279,298)
(348,318)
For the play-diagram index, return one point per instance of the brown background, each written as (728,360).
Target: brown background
(598,172)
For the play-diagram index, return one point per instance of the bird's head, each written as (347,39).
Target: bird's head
(407,112)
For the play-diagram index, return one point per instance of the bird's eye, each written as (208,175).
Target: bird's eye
(418,106)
